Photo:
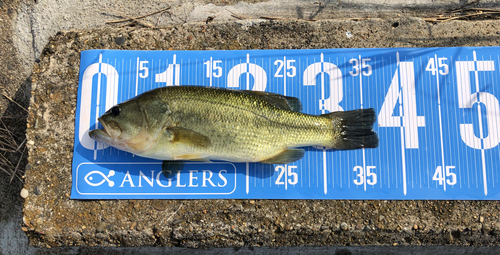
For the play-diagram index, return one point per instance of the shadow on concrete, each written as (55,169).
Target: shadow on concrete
(12,239)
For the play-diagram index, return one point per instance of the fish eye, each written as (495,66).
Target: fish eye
(116,111)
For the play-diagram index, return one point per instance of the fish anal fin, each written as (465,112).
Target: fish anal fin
(284,102)
(188,136)
(285,157)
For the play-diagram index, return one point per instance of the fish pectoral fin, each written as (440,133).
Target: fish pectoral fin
(170,167)
(284,102)
(285,157)
(188,136)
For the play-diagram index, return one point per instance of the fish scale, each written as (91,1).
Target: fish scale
(267,131)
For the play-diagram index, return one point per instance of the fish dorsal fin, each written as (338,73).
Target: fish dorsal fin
(285,157)
(284,102)
(188,136)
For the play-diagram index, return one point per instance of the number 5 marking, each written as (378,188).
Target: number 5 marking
(466,99)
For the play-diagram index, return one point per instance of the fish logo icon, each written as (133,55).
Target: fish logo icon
(105,178)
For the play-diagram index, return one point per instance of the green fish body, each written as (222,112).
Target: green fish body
(200,123)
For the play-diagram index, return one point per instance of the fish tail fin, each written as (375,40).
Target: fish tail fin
(353,129)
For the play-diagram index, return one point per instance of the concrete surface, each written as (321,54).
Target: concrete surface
(49,218)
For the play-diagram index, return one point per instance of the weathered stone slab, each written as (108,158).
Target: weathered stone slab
(52,219)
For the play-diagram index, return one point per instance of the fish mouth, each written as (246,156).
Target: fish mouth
(100,135)
(106,135)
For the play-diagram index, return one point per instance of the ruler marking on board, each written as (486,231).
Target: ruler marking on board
(98,100)
(325,189)
(440,120)
(402,130)
(466,152)
(425,134)
(137,78)
(365,174)
(480,122)
(497,113)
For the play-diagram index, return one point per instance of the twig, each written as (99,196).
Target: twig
(7,143)
(470,15)
(5,161)
(129,18)
(7,172)
(10,99)
(270,18)
(128,24)
(462,13)
(279,18)
(17,166)
(144,23)
(158,20)
(238,16)
(443,19)
(21,145)
(5,128)
(482,9)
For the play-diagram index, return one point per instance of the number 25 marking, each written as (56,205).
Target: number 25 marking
(290,176)
(280,63)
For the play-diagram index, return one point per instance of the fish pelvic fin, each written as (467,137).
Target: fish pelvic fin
(353,129)
(285,157)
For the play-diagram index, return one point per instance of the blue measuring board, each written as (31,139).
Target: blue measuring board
(438,119)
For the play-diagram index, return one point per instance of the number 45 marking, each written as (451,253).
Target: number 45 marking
(440,176)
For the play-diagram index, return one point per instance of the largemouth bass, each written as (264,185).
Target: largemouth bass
(200,123)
